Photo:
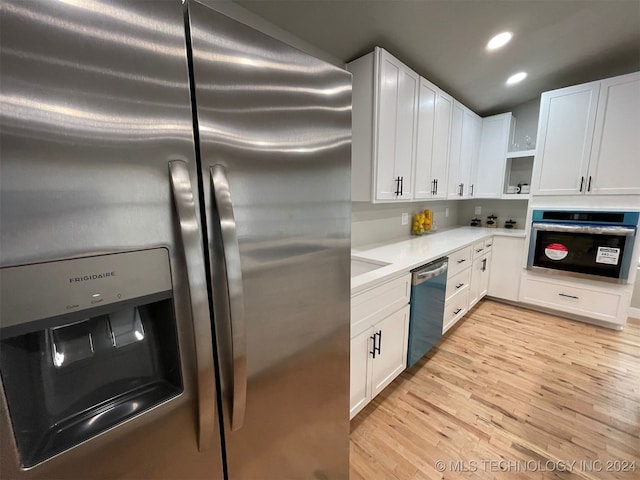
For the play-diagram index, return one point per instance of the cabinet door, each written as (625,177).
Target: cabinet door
(360,360)
(392,339)
(485,271)
(489,173)
(471,133)
(479,278)
(507,256)
(424,185)
(615,156)
(441,139)
(565,133)
(455,147)
(396,129)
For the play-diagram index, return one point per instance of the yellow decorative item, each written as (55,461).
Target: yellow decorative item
(422,222)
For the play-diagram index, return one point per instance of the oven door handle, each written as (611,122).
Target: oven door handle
(595,229)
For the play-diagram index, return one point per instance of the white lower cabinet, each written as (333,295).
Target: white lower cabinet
(479,278)
(569,296)
(379,335)
(390,358)
(455,308)
(458,282)
(506,269)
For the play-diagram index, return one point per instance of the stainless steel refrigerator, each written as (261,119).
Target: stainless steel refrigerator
(174,246)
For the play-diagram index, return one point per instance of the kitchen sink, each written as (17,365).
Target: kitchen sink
(360,266)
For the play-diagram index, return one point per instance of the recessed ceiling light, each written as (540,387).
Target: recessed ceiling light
(518,77)
(499,40)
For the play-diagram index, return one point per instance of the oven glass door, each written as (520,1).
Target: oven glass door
(577,251)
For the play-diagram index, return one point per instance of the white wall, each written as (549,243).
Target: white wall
(377,223)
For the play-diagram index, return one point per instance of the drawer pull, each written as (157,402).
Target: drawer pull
(569,296)
(479,250)
(457,311)
(462,261)
(459,285)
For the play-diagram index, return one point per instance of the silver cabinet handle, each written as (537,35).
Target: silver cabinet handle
(185,206)
(227,287)
(462,261)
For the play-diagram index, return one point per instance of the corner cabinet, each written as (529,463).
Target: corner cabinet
(490,169)
(507,268)
(385,117)
(379,336)
(588,140)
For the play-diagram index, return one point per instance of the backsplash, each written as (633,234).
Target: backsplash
(375,223)
(503,209)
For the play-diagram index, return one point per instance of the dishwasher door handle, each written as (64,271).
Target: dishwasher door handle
(427,274)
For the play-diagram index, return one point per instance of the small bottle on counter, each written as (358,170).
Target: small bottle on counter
(491,221)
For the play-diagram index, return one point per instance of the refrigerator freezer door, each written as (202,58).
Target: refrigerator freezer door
(94,104)
(279,122)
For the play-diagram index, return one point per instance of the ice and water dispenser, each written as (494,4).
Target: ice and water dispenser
(85,344)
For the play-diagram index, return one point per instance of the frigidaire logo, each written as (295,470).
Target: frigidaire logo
(95,276)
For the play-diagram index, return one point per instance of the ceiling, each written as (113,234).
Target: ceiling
(558,42)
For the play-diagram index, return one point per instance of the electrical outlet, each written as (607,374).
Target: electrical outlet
(478,210)
(405,219)
(446,211)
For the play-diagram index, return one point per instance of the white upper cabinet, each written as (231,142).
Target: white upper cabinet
(455,148)
(432,152)
(466,128)
(614,167)
(471,134)
(385,114)
(588,139)
(490,169)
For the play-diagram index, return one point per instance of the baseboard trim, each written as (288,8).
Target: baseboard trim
(634,312)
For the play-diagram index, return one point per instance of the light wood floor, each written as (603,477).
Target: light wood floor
(513,390)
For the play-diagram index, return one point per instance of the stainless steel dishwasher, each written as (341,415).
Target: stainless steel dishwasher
(428,289)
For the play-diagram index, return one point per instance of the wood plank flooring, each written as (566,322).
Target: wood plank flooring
(509,393)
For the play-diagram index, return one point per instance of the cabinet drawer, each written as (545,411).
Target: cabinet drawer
(577,300)
(488,243)
(380,301)
(458,282)
(455,308)
(459,260)
(479,249)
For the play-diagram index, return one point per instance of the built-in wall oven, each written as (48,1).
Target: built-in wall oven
(589,244)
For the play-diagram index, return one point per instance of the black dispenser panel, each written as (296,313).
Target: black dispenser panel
(68,378)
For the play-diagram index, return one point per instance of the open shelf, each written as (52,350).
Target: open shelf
(521,153)
(515,196)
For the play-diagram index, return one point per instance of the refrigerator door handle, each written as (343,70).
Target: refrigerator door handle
(231,288)
(185,206)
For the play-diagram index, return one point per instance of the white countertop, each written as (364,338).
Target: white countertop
(405,255)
